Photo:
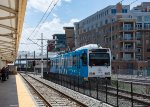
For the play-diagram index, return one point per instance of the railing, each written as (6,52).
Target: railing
(138,38)
(143,28)
(126,28)
(128,49)
(112,92)
(127,59)
(139,28)
(127,39)
(139,44)
(147,28)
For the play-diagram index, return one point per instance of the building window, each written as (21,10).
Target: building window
(139,25)
(146,18)
(148,58)
(138,49)
(146,25)
(147,42)
(113,11)
(148,49)
(124,10)
(139,57)
(139,18)
(138,35)
(127,36)
(106,21)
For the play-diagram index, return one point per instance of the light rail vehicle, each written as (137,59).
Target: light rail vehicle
(90,61)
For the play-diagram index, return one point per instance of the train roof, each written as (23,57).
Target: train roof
(90,46)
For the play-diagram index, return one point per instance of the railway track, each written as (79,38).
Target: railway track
(135,81)
(135,98)
(50,96)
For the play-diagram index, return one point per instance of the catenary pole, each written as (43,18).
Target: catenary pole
(42,55)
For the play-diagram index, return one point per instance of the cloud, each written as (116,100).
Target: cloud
(54,15)
(49,28)
(42,5)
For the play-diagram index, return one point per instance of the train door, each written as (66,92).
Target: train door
(78,64)
(84,63)
(74,64)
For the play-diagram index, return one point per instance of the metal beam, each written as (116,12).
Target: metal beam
(8,9)
(5,42)
(7,17)
(9,36)
(6,52)
(8,27)
(5,46)
(11,41)
(10,49)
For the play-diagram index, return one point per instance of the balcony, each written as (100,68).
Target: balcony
(131,49)
(127,59)
(138,37)
(127,29)
(139,44)
(127,39)
(146,28)
(139,28)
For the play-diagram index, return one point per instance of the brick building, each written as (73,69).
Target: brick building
(70,40)
(126,32)
(51,45)
(60,42)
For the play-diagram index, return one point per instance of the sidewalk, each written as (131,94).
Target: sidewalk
(13,93)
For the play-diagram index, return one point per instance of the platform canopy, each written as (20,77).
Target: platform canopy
(11,21)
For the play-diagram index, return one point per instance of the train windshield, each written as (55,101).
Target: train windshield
(99,59)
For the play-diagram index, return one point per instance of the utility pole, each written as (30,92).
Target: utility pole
(42,55)
(34,63)
(20,63)
(47,59)
(26,63)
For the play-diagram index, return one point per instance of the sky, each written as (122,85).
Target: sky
(63,14)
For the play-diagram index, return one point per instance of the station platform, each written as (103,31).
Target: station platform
(14,93)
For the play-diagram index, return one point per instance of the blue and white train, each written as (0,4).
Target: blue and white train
(89,61)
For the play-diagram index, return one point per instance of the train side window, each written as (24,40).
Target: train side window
(84,59)
(74,60)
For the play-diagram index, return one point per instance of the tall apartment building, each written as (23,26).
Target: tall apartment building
(60,42)
(126,32)
(51,45)
(69,31)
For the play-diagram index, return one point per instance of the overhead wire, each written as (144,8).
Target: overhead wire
(43,21)
(132,3)
(47,16)
(41,18)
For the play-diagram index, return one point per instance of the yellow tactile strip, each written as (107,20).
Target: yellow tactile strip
(24,97)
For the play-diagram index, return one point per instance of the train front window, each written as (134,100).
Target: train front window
(99,59)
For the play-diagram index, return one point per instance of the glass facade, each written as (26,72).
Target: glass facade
(146,18)
(139,18)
